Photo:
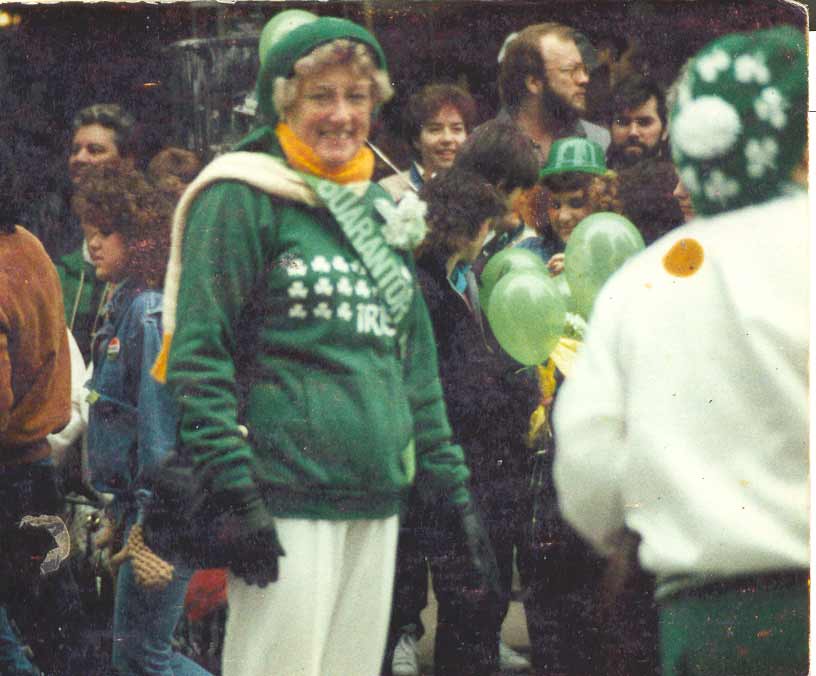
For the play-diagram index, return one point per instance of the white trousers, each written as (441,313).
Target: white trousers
(328,613)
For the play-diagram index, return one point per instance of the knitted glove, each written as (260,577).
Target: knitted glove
(254,542)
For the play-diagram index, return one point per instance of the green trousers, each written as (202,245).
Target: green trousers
(747,627)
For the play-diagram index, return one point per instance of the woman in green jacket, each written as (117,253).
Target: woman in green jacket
(304,366)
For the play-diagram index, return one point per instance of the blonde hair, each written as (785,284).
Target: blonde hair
(336,52)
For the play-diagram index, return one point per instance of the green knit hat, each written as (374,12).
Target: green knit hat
(739,126)
(574,154)
(283,48)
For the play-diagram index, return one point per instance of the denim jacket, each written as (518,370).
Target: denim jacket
(132,418)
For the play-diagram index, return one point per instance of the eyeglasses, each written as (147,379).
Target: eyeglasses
(574,70)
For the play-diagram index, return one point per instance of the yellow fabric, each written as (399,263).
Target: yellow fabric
(561,358)
(301,157)
(540,419)
(564,354)
(159,370)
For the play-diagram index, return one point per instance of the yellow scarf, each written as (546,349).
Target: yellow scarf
(302,158)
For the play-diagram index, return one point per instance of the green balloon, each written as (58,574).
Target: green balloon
(599,245)
(507,260)
(566,293)
(278,26)
(527,314)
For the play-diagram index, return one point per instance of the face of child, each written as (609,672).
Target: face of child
(108,254)
(566,209)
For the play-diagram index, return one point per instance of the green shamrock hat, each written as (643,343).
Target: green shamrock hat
(574,154)
(739,126)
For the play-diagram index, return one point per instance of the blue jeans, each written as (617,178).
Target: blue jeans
(13,661)
(144,622)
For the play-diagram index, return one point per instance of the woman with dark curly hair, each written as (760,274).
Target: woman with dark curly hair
(132,418)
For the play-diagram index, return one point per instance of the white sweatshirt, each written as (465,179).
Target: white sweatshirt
(685,417)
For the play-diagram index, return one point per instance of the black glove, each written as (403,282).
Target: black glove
(254,542)
(186,522)
(470,564)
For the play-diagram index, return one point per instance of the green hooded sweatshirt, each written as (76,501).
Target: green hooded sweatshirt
(279,327)
(82,295)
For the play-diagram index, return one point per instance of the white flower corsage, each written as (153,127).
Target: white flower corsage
(404,222)
(574,326)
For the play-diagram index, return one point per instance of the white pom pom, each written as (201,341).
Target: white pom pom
(706,128)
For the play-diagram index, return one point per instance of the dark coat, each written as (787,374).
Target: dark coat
(489,397)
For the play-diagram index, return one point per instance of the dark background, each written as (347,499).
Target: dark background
(61,57)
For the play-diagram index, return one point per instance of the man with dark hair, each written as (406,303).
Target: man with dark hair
(542,85)
(505,157)
(502,155)
(103,135)
(639,127)
(437,120)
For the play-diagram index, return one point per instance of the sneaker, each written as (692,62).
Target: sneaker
(510,660)
(406,660)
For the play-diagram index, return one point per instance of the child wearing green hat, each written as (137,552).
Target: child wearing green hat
(291,312)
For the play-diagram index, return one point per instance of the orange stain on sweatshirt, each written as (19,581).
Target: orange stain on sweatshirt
(684,258)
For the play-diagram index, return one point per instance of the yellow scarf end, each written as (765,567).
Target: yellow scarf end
(159,370)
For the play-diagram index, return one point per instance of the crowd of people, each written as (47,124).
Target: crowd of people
(312,343)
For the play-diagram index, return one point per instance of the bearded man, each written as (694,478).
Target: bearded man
(639,127)
(542,84)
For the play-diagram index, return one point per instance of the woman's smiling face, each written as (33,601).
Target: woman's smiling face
(332,113)
(566,209)
(440,138)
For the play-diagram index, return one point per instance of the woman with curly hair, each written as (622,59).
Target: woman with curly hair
(132,418)
(576,184)
(563,573)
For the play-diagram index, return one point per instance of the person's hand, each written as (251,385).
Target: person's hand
(256,545)
(556,264)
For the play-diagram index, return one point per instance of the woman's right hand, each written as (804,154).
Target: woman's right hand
(556,264)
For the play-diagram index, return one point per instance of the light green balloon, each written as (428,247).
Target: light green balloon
(278,26)
(506,261)
(599,245)
(566,293)
(527,314)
